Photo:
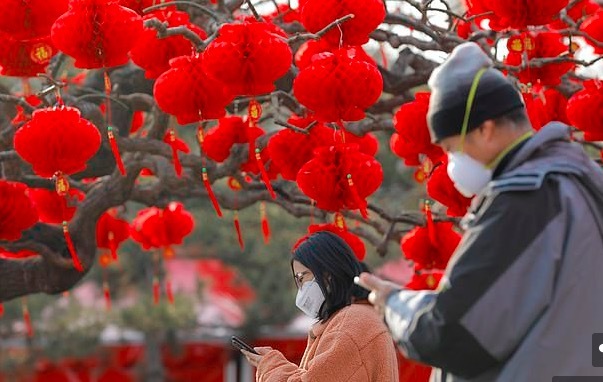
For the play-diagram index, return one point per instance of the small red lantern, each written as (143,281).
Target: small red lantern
(54,208)
(29,19)
(111,232)
(17,212)
(160,228)
(188,93)
(231,130)
(24,58)
(338,86)
(340,177)
(585,110)
(517,14)
(248,57)
(425,279)
(97,33)
(441,188)
(430,247)
(368,14)
(593,26)
(153,54)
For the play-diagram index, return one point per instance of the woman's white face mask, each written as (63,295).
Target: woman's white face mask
(310,298)
(469,176)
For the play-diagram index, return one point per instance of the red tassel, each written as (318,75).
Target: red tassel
(200,138)
(210,192)
(265,224)
(175,158)
(112,245)
(168,291)
(76,261)
(1,309)
(115,151)
(237,225)
(265,176)
(361,203)
(430,225)
(107,294)
(155,291)
(27,321)
(383,55)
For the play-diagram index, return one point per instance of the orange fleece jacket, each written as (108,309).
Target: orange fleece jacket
(354,345)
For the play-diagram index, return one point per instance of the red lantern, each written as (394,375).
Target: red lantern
(188,93)
(544,106)
(593,26)
(30,19)
(24,58)
(338,86)
(160,228)
(111,232)
(97,33)
(248,57)
(412,138)
(577,12)
(517,14)
(19,255)
(441,188)
(17,212)
(368,14)
(57,140)
(585,110)
(54,208)
(218,141)
(305,53)
(340,177)
(353,241)
(425,280)
(432,246)
(153,54)
(538,45)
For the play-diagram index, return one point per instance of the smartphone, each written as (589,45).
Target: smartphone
(239,344)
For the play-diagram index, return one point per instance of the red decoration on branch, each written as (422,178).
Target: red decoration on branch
(111,232)
(140,5)
(430,251)
(30,19)
(218,141)
(517,14)
(544,106)
(593,26)
(585,110)
(54,208)
(441,188)
(368,14)
(17,212)
(577,13)
(24,58)
(160,228)
(339,85)
(97,33)
(176,144)
(355,243)
(248,57)
(237,225)
(425,280)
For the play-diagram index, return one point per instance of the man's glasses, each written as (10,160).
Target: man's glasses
(299,278)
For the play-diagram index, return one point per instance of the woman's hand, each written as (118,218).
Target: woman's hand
(255,359)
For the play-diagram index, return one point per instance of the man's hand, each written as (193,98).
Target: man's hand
(379,288)
(255,359)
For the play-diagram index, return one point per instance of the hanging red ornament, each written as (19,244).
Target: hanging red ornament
(160,228)
(339,85)
(210,192)
(265,223)
(237,225)
(169,292)
(156,290)
(425,280)
(57,139)
(368,14)
(24,58)
(152,53)
(441,188)
(107,295)
(355,243)
(54,208)
(585,110)
(186,92)
(30,19)
(517,14)
(176,144)
(412,138)
(27,319)
(340,177)
(306,52)
(111,232)
(433,250)
(97,33)
(218,141)
(577,12)
(17,212)
(531,45)
(593,26)
(248,57)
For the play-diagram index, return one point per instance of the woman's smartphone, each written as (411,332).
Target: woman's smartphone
(239,344)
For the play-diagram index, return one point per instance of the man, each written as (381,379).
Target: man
(523,293)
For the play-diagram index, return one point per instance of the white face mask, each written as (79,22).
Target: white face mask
(469,176)
(310,298)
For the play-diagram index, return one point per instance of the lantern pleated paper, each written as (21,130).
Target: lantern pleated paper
(218,141)
(30,19)
(17,212)
(517,14)
(338,86)
(593,26)
(430,247)
(24,58)
(340,177)
(140,5)
(441,188)
(368,14)
(248,57)
(585,110)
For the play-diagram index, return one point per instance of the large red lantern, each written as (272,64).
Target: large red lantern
(111,232)
(152,53)
(544,106)
(441,188)
(97,33)
(17,212)
(593,26)
(338,86)
(430,247)
(188,93)
(368,14)
(248,57)
(517,14)
(340,177)
(30,19)
(585,110)
(24,58)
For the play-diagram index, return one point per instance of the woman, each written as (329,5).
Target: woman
(350,341)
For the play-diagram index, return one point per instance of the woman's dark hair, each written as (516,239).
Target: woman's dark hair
(334,266)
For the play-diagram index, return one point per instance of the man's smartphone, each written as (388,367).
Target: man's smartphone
(239,344)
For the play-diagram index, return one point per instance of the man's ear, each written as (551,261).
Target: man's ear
(488,130)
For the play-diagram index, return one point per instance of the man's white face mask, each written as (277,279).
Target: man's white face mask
(469,176)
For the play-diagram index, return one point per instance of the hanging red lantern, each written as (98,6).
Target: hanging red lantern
(54,208)
(578,11)
(97,33)
(354,242)
(30,19)
(531,45)
(338,86)
(593,26)
(340,177)
(186,92)
(111,232)
(425,280)
(368,14)
(248,57)
(17,212)
(177,145)
(412,138)
(585,110)
(24,58)
(218,141)
(544,106)
(517,14)
(441,188)
(161,228)
(305,53)
(430,250)
(152,53)
(57,140)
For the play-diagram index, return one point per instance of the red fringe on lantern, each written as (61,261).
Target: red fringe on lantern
(237,225)
(155,291)
(1,309)
(357,198)
(168,291)
(112,245)
(265,177)
(107,294)
(27,320)
(210,193)
(175,158)
(265,224)
(76,261)
(110,133)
